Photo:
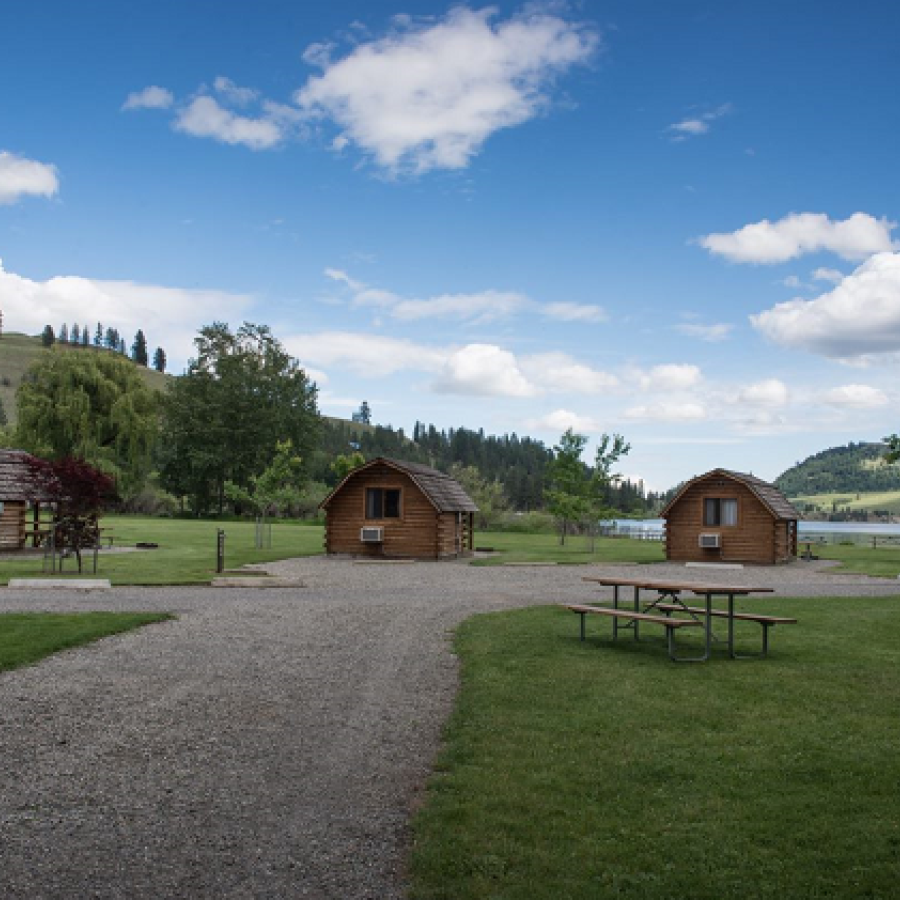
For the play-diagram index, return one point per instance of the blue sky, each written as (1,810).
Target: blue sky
(672,220)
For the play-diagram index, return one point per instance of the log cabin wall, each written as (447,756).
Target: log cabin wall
(758,536)
(420,531)
(12,525)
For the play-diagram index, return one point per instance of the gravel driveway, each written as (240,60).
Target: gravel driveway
(268,743)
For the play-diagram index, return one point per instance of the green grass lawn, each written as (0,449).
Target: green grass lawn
(582,771)
(517,548)
(186,553)
(881,561)
(27,637)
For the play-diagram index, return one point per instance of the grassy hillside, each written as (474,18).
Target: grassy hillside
(18,352)
(837,501)
(850,470)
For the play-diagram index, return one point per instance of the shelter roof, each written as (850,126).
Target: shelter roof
(17,481)
(446,494)
(768,494)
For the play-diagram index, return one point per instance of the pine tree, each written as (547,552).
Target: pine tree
(76,334)
(122,348)
(98,336)
(139,349)
(85,337)
(159,360)
(111,339)
(64,334)
(48,338)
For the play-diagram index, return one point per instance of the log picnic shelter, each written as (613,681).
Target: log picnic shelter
(726,516)
(387,508)
(20,493)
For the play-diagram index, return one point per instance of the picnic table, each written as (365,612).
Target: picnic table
(668,600)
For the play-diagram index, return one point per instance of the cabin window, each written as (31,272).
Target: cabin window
(718,511)
(382,503)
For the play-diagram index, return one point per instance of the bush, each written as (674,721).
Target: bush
(525,523)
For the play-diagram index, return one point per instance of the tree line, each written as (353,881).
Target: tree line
(240,431)
(854,468)
(105,339)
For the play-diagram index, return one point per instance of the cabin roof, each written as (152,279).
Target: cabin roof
(767,494)
(446,494)
(17,481)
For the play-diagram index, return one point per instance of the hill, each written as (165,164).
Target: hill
(18,352)
(850,470)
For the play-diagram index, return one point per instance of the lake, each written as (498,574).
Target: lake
(851,530)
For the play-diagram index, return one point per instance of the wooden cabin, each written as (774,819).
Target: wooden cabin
(725,516)
(392,509)
(19,493)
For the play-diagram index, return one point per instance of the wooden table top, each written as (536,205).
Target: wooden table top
(675,586)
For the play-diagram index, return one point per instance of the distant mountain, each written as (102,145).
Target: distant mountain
(856,468)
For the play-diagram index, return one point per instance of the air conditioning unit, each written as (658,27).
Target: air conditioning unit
(372,534)
(710,541)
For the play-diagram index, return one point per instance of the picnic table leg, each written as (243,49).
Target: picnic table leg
(637,608)
(731,625)
(615,606)
(582,625)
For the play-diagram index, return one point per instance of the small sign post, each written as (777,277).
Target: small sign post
(220,552)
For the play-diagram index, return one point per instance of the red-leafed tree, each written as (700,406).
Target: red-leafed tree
(80,493)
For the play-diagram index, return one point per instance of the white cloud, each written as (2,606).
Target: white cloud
(768,242)
(697,125)
(169,316)
(824,274)
(481,307)
(767,393)
(205,117)
(667,412)
(858,396)
(341,276)
(240,96)
(21,177)
(574,312)
(428,96)
(561,420)
(792,281)
(670,377)
(365,354)
(558,372)
(718,331)
(485,370)
(152,97)
(858,317)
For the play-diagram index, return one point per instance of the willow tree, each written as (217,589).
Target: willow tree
(92,406)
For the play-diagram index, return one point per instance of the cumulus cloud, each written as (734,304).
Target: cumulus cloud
(574,312)
(713,333)
(825,274)
(428,96)
(856,396)
(670,377)
(693,126)
(767,393)
(558,372)
(365,354)
(21,177)
(768,242)
(561,420)
(205,117)
(859,317)
(667,412)
(485,370)
(152,97)
(169,316)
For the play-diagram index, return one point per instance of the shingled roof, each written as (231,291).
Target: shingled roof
(17,481)
(446,494)
(768,494)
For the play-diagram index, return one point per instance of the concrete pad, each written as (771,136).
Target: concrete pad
(77,584)
(702,565)
(250,581)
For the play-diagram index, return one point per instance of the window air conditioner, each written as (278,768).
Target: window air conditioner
(711,541)
(371,534)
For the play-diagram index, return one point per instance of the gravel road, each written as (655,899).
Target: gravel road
(268,742)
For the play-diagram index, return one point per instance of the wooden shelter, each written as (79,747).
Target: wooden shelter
(388,508)
(725,516)
(19,492)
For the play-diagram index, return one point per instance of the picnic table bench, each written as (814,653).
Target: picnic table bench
(668,600)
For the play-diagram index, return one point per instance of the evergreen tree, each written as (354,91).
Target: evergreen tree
(159,360)
(139,349)
(75,337)
(122,349)
(98,336)
(48,338)
(85,337)
(64,334)
(111,339)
